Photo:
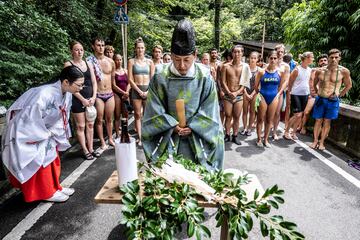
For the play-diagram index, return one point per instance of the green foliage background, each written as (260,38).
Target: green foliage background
(35,33)
(320,25)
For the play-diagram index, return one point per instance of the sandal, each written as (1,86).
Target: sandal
(275,137)
(287,136)
(95,154)
(294,137)
(314,147)
(88,156)
(267,145)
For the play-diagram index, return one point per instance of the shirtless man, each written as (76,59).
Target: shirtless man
(227,58)
(233,98)
(205,59)
(327,83)
(285,73)
(322,61)
(214,62)
(157,54)
(104,68)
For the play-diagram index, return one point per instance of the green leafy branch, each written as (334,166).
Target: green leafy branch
(159,209)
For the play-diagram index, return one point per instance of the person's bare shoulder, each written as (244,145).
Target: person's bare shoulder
(225,66)
(109,60)
(344,70)
(67,63)
(149,61)
(261,71)
(285,66)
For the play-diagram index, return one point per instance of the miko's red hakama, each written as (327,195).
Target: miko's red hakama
(42,185)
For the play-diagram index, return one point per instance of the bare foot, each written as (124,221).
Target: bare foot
(321,147)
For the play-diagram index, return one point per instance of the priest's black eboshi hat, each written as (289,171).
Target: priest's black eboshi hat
(183,38)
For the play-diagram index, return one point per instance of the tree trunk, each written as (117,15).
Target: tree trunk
(217,23)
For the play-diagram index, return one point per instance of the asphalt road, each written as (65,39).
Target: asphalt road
(318,197)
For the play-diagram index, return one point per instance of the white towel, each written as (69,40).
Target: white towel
(245,75)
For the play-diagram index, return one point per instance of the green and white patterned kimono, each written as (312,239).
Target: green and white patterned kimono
(205,144)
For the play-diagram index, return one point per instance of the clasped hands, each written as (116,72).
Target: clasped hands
(143,94)
(88,102)
(182,131)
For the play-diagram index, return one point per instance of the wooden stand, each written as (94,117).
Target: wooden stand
(110,193)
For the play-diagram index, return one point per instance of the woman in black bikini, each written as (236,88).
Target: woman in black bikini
(86,97)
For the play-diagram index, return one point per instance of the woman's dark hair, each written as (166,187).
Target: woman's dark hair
(71,73)
(273,52)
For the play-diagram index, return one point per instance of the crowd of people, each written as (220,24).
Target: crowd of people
(255,92)
(217,95)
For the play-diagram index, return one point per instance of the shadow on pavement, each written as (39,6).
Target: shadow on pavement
(250,149)
(118,233)
(304,154)
(283,143)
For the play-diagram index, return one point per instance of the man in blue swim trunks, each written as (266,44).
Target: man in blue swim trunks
(327,83)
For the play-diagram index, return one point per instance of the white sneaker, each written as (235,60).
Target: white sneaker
(67,191)
(58,197)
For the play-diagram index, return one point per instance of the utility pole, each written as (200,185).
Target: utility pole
(263,42)
(217,23)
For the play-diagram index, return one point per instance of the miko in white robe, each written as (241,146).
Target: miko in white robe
(37,127)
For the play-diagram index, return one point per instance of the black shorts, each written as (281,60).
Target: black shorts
(298,103)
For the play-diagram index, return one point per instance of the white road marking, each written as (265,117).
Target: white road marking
(20,229)
(330,164)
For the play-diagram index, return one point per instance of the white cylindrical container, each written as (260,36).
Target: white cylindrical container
(126,162)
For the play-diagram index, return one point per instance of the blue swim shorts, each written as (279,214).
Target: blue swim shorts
(326,108)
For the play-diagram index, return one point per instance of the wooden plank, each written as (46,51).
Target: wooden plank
(110,192)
